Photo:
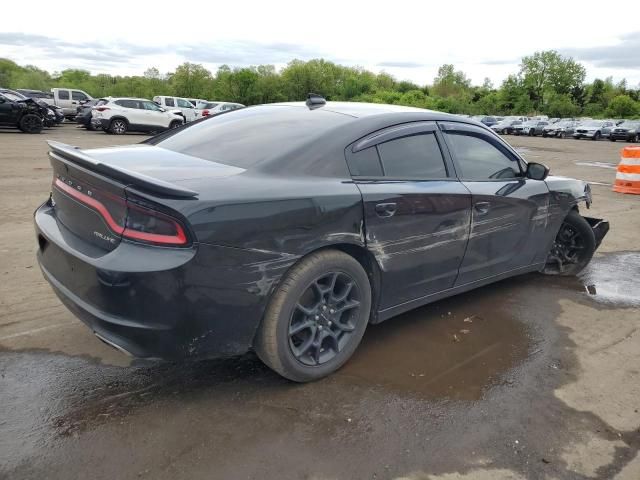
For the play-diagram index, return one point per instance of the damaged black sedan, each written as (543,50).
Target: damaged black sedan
(288,228)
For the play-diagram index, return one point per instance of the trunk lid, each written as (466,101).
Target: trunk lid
(91,191)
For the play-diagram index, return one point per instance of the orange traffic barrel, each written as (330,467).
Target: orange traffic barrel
(628,174)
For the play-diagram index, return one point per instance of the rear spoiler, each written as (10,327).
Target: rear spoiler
(68,153)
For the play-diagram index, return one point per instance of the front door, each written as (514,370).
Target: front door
(416,213)
(509,211)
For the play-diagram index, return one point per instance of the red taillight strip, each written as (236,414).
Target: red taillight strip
(180,238)
(91,202)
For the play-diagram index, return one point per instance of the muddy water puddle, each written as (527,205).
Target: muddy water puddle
(455,349)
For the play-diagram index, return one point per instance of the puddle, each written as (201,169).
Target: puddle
(443,350)
(613,278)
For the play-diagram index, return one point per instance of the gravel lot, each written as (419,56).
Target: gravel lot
(545,383)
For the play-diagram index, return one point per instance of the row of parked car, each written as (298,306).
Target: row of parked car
(32,110)
(628,130)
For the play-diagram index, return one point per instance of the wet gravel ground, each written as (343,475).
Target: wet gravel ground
(532,377)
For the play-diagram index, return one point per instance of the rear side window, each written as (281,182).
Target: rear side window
(63,95)
(127,103)
(480,160)
(184,104)
(365,163)
(169,102)
(417,156)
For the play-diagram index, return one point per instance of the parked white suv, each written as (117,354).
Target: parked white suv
(177,103)
(122,115)
(206,108)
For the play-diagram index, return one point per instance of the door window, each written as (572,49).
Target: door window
(169,102)
(127,103)
(183,103)
(417,156)
(63,95)
(151,106)
(479,159)
(75,95)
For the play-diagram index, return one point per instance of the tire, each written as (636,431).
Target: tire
(175,124)
(636,139)
(562,135)
(30,123)
(573,247)
(532,132)
(596,136)
(118,126)
(504,131)
(544,135)
(611,139)
(305,353)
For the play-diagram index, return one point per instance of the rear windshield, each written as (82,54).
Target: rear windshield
(246,137)
(207,105)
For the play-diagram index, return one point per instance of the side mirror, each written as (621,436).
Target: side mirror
(537,171)
(161,109)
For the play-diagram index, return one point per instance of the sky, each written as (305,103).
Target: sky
(408,39)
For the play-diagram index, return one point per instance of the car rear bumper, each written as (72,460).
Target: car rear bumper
(154,302)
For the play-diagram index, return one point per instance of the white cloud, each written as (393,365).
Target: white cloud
(408,39)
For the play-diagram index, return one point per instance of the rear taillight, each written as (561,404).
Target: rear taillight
(149,226)
(140,223)
(101,109)
(205,113)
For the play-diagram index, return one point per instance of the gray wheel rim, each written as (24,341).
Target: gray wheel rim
(567,248)
(324,318)
(119,126)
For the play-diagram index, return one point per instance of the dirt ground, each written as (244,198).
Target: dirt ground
(531,378)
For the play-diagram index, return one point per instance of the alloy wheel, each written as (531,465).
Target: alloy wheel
(567,248)
(324,318)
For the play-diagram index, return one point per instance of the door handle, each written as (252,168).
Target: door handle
(385,209)
(482,208)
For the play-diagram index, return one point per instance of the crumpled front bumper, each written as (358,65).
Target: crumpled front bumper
(600,228)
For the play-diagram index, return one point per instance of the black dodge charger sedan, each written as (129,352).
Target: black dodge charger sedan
(288,228)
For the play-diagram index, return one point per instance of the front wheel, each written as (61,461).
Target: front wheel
(573,247)
(175,124)
(316,318)
(504,131)
(30,123)
(596,136)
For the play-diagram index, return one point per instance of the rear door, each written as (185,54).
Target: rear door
(6,110)
(417,214)
(187,109)
(509,212)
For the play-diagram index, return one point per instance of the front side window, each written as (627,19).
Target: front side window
(78,96)
(184,104)
(417,156)
(151,106)
(479,159)
(63,95)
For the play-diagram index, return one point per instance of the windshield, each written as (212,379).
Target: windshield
(245,137)
(592,123)
(629,124)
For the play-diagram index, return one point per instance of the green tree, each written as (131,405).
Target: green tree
(191,80)
(450,82)
(622,106)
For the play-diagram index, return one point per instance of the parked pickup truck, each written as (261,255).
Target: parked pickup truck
(68,99)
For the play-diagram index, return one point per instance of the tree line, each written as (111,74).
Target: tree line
(546,83)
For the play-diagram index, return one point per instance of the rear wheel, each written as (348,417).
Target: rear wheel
(611,139)
(30,123)
(316,318)
(118,127)
(573,247)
